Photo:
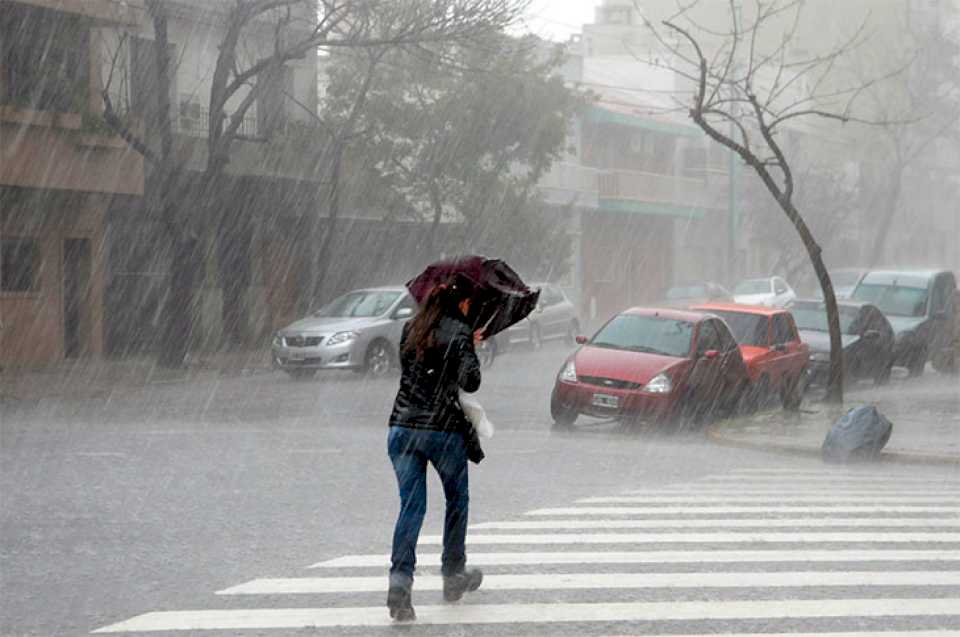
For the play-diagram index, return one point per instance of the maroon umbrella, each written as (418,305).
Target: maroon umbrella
(501,298)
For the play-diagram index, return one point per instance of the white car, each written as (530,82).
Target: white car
(555,318)
(771,291)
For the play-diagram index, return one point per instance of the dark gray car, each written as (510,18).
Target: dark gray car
(866,335)
(919,306)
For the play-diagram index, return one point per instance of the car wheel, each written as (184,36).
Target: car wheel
(758,394)
(790,394)
(301,374)
(563,416)
(570,338)
(378,360)
(947,362)
(536,337)
(918,362)
(487,352)
(883,376)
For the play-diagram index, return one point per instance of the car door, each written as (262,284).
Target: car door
(706,375)
(784,345)
(941,312)
(554,323)
(398,317)
(732,368)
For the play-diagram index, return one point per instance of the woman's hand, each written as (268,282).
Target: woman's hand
(478,337)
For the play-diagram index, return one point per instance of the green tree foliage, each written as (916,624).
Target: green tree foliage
(461,133)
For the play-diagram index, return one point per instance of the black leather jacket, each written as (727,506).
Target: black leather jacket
(428,388)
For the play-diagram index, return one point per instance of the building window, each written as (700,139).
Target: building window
(19,265)
(44,59)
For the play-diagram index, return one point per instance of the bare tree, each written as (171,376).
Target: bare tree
(300,27)
(743,97)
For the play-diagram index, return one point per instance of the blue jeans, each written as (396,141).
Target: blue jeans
(410,451)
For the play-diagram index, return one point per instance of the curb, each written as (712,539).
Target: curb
(897,457)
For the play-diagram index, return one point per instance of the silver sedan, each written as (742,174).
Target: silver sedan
(359,331)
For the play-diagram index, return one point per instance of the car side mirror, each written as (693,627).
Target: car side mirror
(711,354)
(780,347)
(403,313)
(871,335)
(581,340)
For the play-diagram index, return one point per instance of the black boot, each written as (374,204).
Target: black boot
(454,586)
(400,603)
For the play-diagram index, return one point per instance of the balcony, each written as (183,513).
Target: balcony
(662,194)
(568,182)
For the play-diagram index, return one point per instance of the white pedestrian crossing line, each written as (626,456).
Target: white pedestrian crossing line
(805,537)
(583,581)
(290,618)
(658,557)
(885,633)
(793,510)
(719,523)
(709,509)
(763,499)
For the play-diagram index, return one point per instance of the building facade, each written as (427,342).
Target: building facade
(59,173)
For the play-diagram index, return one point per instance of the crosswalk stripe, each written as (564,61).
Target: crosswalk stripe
(806,537)
(711,489)
(724,509)
(578,581)
(830,479)
(657,557)
(886,633)
(949,523)
(266,618)
(762,499)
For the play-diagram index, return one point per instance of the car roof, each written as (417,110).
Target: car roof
(846,303)
(667,313)
(907,278)
(738,307)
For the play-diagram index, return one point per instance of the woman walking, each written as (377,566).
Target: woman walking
(428,426)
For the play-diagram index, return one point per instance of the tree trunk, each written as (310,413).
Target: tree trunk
(835,382)
(177,316)
(323,258)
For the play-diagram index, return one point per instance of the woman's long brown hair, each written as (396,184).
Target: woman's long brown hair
(443,300)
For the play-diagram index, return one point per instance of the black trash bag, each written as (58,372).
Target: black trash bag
(859,435)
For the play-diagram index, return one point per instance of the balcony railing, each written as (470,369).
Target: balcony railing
(571,177)
(194,120)
(708,192)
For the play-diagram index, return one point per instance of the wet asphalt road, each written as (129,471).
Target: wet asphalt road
(153,500)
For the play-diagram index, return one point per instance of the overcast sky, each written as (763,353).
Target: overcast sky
(557,19)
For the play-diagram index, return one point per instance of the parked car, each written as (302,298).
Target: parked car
(555,318)
(776,358)
(651,365)
(686,294)
(845,281)
(771,291)
(359,331)
(866,335)
(919,306)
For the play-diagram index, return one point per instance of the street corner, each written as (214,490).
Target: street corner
(914,440)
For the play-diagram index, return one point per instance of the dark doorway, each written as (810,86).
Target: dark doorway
(76,293)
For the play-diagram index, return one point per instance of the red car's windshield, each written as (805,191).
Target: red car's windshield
(649,334)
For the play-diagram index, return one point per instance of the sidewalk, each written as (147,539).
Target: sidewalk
(925,414)
(97,378)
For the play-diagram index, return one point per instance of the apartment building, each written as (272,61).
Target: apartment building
(59,173)
(252,239)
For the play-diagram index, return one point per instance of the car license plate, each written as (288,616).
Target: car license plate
(606,401)
(297,357)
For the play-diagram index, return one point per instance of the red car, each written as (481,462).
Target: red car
(651,365)
(771,348)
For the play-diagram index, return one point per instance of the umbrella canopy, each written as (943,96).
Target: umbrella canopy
(501,298)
